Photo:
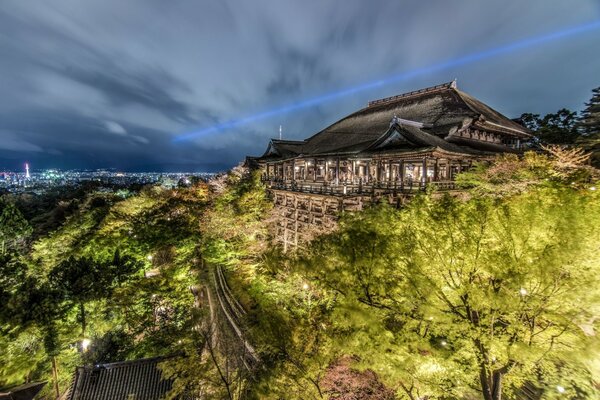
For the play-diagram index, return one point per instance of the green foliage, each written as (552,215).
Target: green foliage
(590,117)
(510,174)
(87,279)
(234,231)
(561,127)
(448,297)
(13,227)
(111,346)
(444,298)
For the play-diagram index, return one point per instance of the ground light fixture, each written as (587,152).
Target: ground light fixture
(85,344)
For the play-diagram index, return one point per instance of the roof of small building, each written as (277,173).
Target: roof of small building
(435,112)
(27,391)
(137,379)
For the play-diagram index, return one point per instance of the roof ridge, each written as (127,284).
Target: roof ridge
(447,85)
(287,141)
(130,362)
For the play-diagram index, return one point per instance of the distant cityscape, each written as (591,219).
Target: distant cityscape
(39,181)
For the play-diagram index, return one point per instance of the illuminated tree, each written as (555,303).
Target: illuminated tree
(81,280)
(485,295)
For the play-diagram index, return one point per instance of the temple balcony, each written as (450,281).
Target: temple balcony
(356,187)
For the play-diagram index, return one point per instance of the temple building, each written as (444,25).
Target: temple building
(392,148)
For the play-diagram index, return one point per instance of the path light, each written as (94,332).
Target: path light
(443,343)
(593,188)
(85,343)
(560,389)
(305,286)
(149,258)
(523,292)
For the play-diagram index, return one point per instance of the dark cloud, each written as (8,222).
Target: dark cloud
(111,83)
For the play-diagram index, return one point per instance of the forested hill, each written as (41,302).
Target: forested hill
(491,291)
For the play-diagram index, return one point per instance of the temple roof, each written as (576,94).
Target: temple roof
(284,148)
(26,391)
(138,379)
(431,114)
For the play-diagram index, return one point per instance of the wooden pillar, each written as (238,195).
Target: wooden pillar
(368,171)
(285,242)
(296,221)
(424,171)
(293,170)
(389,177)
(401,172)
(337,171)
(315,170)
(326,179)
(435,170)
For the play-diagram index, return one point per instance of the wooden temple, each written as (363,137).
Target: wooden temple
(392,148)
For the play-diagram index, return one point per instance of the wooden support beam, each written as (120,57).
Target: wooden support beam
(401,172)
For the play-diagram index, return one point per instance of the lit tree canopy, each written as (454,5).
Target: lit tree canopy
(450,297)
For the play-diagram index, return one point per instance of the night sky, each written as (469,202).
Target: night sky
(111,83)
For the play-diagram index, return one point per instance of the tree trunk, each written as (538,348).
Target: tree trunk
(82,317)
(55,376)
(491,384)
(485,383)
(497,385)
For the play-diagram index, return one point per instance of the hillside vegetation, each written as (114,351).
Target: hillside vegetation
(486,293)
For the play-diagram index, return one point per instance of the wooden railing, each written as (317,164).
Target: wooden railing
(329,188)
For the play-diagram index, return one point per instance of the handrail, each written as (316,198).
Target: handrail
(328,188)
(226,304)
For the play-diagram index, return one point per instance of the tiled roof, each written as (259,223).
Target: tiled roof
(138,379)
(27,391)
(439,110)
(284,148)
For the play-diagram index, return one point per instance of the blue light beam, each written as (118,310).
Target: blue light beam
(467,59)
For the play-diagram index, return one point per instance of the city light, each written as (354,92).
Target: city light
(39,182)
(404,76)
